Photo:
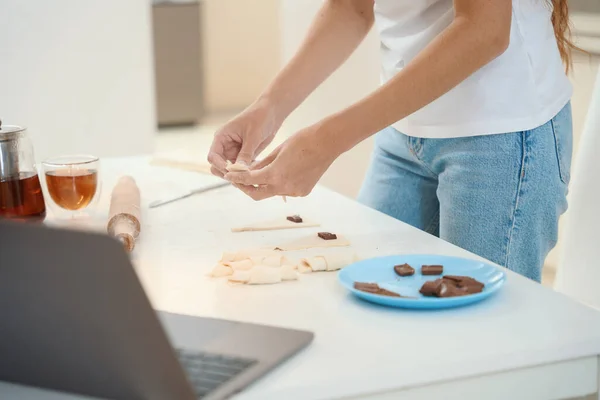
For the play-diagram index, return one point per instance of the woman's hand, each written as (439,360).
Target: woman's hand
(244,137)
(292,169)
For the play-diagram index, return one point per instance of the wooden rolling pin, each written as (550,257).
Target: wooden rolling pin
(124,214)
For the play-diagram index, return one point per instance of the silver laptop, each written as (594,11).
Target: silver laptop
(74,318)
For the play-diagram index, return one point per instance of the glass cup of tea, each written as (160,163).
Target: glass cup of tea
(73,182)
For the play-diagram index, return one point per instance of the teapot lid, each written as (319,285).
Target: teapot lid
(9,132)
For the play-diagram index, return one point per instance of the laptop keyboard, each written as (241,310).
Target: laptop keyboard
(206,372)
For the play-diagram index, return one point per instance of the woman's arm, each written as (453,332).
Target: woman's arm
(336,31)
(479,33)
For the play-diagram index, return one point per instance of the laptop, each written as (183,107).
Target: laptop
(75,319)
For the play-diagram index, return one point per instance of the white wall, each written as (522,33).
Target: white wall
(355,79)
(78,74)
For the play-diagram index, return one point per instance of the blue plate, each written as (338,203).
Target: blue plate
(381,271)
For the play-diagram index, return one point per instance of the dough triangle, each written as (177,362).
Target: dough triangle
(273,225)
(312,241)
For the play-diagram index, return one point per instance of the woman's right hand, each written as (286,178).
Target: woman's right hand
(243,138)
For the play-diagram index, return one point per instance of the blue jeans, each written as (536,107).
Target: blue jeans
(498,196)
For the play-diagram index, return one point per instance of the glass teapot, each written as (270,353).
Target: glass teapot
(21,195)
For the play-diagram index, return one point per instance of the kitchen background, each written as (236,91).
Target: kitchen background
(118,78)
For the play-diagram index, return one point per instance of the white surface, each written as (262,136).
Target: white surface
(78,74)
(359,349)
(579,271)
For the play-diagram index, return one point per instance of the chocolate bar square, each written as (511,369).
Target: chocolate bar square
(327,235)
(404,270)
(295,218)
(432,269)
(430,288)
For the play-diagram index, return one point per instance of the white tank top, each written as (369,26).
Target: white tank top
(522,89)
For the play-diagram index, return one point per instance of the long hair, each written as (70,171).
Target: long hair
(562,31)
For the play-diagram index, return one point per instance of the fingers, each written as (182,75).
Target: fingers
(251,178)
(257,193)
(216,172)
(216,157)
(246,154)
(267,160)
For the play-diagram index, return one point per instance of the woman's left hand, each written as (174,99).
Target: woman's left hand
(292,169)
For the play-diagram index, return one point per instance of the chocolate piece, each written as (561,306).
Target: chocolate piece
(451,286)
(448,288)
(327,236)
(432,269)
(430,288)
(466,282)
(384,292)
(374,289)
(404,270)
(295,218)
(366,287)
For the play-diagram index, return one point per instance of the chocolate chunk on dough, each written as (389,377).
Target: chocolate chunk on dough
(327,235)
(295,218)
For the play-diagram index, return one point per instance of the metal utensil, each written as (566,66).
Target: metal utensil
(203,189)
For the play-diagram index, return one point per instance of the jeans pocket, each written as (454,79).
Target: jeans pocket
(562,129)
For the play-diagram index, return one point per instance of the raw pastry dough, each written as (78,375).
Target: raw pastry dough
(261,275)
(330,262)
(274,261)
(240,276)
(313,241)
(242,255)
(313,264)
(221,270)
(228,256)
(273,225)
(288,273)
(243,265)
(236,167)
(304,268)
(339,260)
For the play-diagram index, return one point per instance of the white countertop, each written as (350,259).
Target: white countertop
(359,348)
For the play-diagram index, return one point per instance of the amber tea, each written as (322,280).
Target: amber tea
(21,197)
(72,188)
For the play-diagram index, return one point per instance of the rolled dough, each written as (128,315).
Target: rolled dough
(275,224)
(220,270)
(339,261)
(240,276)
(288,273)
(312,241)
(274,261)
(243,265)
(228,256)
(236,167)
(313,264)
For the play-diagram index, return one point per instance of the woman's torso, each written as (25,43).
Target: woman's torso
(520,90)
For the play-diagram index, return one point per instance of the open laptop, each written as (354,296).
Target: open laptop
(74,318)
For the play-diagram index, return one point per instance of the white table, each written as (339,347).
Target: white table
(527,342)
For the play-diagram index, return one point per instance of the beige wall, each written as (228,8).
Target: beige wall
(354,80)
(240,50)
